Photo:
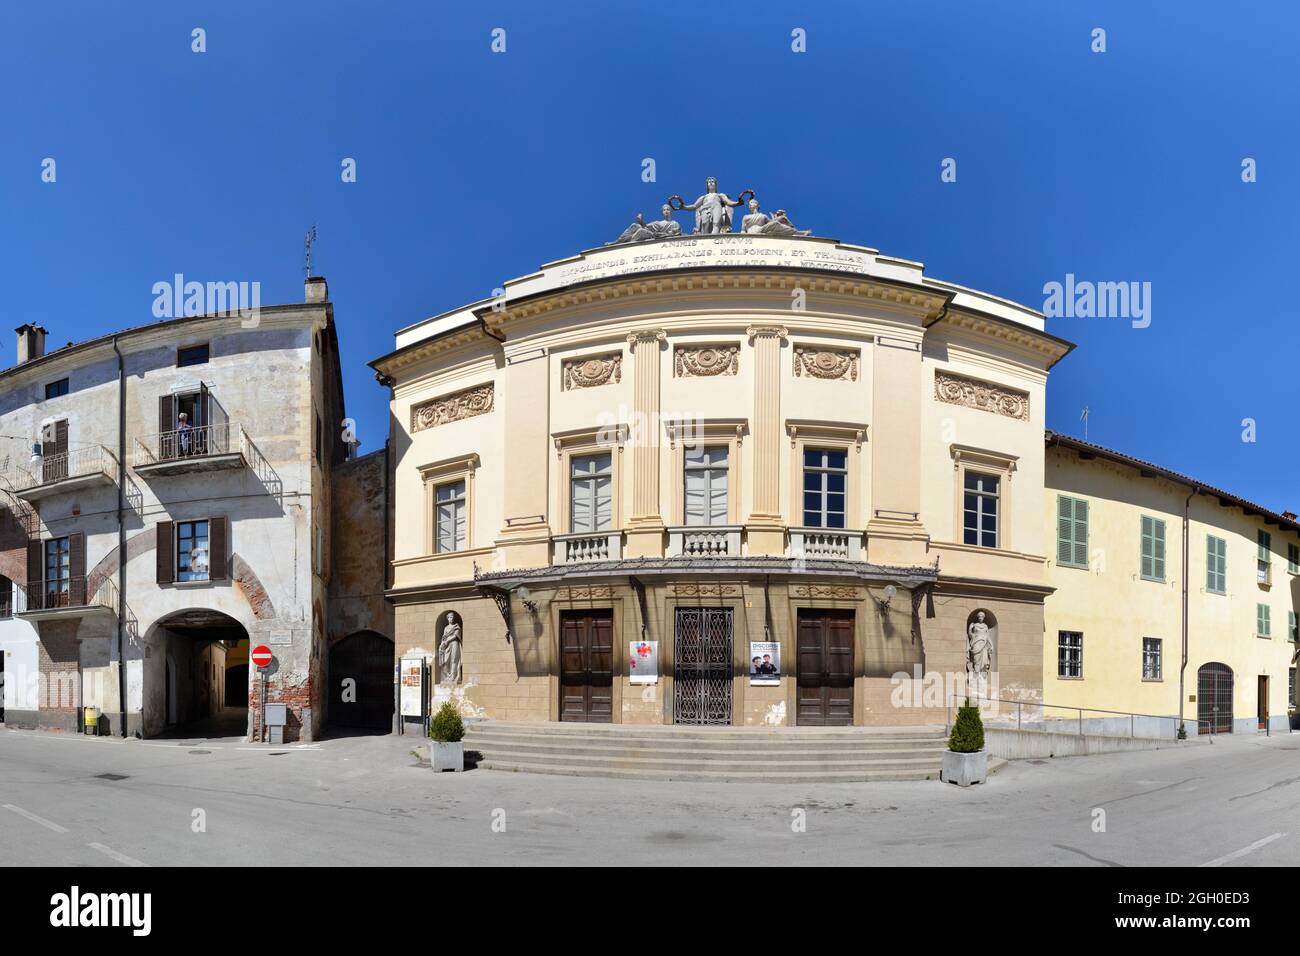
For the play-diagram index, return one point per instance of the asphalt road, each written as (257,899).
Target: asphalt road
(367,800)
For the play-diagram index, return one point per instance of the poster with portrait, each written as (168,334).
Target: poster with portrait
(411,695)
(764,663)
(643,662)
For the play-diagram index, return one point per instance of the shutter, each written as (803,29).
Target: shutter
(203,407)
(35,572)
(1148,552)
(1081,532)
(166,549)
(218,546)
(61,436)
(1064,529)
(166,427)
(77,569)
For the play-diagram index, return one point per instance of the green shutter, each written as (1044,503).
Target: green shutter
(1261,620)
(1153,548)
(1081,532)
(1071,531)
(1265,545)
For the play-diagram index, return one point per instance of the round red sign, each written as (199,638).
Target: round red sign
(261,655)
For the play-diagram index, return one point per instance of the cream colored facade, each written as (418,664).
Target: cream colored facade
(767,348)
(1114,606)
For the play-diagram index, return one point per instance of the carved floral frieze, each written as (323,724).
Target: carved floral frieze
(708,360)
(705,590)
(591,372)
(828,364)
(972,393)
(452,408)
(842,591)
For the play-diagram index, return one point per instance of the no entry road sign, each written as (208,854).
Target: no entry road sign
(261,655)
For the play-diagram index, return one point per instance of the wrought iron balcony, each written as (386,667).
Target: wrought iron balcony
(586,546)
(72,597)
(709,541)
(826,543)
(73,470)
(189,450)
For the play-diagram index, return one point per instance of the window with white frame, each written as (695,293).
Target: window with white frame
(980,509)
(192,550)
(1152,664)
(825,479)
(591,482)
(1069,654)
(449,517)
(705,477)
(1216,565)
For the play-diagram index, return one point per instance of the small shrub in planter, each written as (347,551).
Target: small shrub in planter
(447,730)
(965,762)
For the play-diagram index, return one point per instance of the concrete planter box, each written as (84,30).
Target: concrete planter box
(965,769)
(447,756)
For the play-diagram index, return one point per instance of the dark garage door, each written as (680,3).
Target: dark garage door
(366,658)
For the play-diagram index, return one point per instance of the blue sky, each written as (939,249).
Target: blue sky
(475,167)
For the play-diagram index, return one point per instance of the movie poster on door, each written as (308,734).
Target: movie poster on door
(643,662)
(764,663)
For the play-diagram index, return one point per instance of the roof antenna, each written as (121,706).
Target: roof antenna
(307,243)
(1083,417)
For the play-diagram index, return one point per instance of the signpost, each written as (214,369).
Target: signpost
(261,656)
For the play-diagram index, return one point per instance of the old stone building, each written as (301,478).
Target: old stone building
(166,501)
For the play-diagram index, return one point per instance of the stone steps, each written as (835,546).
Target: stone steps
(719,754)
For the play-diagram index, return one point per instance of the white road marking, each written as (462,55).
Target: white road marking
(120,857)
(1237,854)
(35,819)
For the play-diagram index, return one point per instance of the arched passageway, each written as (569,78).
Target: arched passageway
(205,674)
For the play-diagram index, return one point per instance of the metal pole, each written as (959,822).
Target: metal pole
(1020,709)
(1080,721)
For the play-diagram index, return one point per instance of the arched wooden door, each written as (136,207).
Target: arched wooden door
(1214,698)
(361,682)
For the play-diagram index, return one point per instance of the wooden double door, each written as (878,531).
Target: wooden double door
(587,665)
(824,682)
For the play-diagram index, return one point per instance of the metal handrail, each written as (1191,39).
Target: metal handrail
(194,442)
(1131,715)
(77,463)
(93,590)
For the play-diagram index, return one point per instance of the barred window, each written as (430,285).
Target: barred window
(1152,665)
(1069,654)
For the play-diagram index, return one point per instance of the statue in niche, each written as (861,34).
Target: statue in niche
(712,210)
(759,223)
(979,650)
(449,650)
(641,231)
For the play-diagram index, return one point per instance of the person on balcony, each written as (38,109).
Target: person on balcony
(183,429)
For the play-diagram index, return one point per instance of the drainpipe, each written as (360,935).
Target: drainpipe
(1182,671)
(121,537)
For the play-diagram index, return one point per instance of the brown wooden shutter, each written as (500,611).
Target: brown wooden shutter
(77,568)
(35,567)
(218,547)
(61,436)
(166,413)
(166,552)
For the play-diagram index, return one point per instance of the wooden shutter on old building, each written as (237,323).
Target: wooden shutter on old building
(218,548)
(166,426)
(77,569)
(35,572)
(166,552)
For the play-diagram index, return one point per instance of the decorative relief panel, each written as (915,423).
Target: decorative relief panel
(591,372)
(584,593)
(452,408)
(830,364)
(958,390)
(692,361)
(705,590)
(826,591)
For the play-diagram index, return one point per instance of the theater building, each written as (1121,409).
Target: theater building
(722,478)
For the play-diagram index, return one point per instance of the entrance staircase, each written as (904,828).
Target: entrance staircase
(719,754)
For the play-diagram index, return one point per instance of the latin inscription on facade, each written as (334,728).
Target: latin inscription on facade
(452,408)
(958,390)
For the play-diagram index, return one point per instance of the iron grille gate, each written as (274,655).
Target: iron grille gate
(702,666)
(1214,699)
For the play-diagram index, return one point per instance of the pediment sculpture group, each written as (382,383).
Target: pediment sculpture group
(712,216)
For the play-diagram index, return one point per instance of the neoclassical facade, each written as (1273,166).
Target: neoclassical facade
(723,478)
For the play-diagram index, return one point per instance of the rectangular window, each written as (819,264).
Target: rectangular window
(449,517)
(1290,687)
(706,485)
(192,355)
(6,598)
(1069,654)
(1216,565)
(591,500)
(1071,532)
(1293,558)
(1263,625)
(1264,558)
(1152,667)
(192,550)
(55,389)
(980,510)
(1293,626)
(825,480)
(57,571)
(1153,549)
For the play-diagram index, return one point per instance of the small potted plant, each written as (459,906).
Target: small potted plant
(447,731)
(965,761)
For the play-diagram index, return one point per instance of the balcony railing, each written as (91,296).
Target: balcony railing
(182,443)
(712,541)
(825,543)
(73,594)
(587,546)
(91,463)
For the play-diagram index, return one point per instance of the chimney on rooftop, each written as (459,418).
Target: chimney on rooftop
(31,342)
(1289,515)
(316,289)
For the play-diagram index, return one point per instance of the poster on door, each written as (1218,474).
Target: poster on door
(643,662)
(764,663)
